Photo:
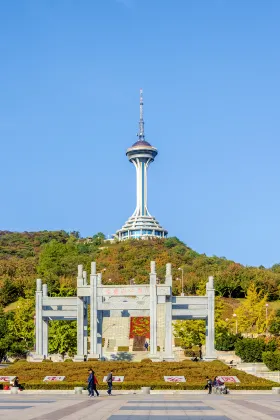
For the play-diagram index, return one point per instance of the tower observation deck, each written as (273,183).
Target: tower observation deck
(141,224)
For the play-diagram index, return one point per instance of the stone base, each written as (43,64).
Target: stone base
(78,358)
(155,358)
(37,358)
(168,358)
(93,356)
(210,358)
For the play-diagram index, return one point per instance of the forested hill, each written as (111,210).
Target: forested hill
(54,256)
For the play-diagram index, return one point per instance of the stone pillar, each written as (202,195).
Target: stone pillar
(168,317)
(45,327)
(153,311)
(210,352)
(85,316)
(39,318)
(99,319)
(80,318)
(93,312)
(45,338)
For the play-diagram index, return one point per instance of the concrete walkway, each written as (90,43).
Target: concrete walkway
(140,407)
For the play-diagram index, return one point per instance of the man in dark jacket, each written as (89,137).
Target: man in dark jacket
(109,381)
(90,383)
(208,385)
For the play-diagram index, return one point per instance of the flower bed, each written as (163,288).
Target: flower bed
(135,375)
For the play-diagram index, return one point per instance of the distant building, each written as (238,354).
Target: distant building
(141,224)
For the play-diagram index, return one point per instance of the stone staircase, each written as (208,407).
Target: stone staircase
(115,332)
(260,370)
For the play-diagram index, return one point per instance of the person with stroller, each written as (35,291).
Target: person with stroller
(219,386)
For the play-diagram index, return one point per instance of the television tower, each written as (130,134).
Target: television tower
(141,224)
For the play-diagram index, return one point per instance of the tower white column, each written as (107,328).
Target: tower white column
(141,166)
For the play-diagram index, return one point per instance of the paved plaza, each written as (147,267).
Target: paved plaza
(140,407)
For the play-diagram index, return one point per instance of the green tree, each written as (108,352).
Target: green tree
(191,333)
(21,325)
(9,292)
(98,238)
(63,337)
(274,327)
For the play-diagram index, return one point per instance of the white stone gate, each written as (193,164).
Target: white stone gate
(133,300)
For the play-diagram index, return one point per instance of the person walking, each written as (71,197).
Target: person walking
(109,381)
(90,383)
(17,384)
(208,385)
(146,345)
(95,382)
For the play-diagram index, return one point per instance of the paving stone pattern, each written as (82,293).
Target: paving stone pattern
(139,407)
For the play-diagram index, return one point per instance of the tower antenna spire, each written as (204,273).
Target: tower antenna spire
(141,135)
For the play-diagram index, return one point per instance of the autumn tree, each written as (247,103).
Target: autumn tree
(251,314)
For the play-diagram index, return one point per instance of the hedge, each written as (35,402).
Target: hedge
(136,374)
(251,349)
(137,385)
(272,360)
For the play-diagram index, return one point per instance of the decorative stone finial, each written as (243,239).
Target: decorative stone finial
(85,277)
(153,267)
(45,290)
(168,269)
(39,285)
(80,271)
(93,267)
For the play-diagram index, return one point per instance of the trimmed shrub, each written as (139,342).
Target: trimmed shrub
(68,360)
(250,349)
(226,341)
(272,360)
(146,360)
(153,385)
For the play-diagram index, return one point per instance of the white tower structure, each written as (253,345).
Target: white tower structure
(141,224)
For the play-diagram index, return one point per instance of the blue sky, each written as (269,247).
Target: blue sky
(70,76)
